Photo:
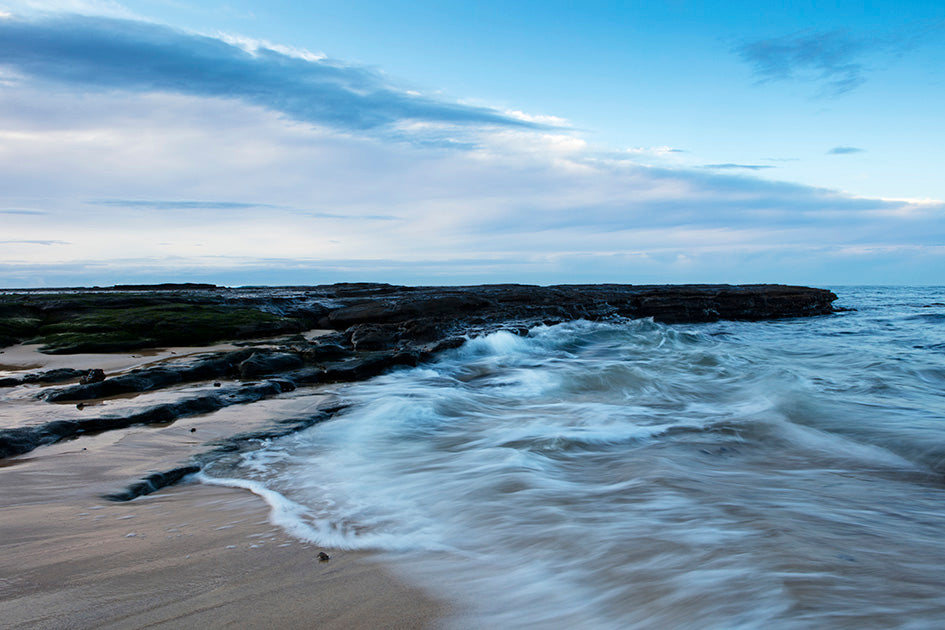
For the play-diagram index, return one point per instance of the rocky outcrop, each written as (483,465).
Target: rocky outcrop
(146,379)
(233,444)
(383,316)
(24,439)
(46,377)
(378,327)
(263,363)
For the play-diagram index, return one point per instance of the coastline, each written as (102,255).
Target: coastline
(200,554)
(193,555)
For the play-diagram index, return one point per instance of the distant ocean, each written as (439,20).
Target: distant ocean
(629,474)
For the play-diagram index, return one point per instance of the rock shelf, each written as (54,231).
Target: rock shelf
(364,330)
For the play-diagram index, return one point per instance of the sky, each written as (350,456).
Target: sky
(283,143)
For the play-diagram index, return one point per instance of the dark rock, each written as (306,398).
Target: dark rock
(93,376)
(369,365)
(153,482)
(321,352)
(148,379)
(306,376)
(374,312)
(432,309)
(166,286)
(55,376)
(24,439)
(48,376)
(421,331)
(285,385)
(263,363)
(359,289)
(232,444)
(370,337)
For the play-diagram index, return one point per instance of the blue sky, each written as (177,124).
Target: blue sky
(465,142)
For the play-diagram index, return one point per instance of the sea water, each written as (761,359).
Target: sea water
(630,474)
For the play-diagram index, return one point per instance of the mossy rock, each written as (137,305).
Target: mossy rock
(72,343)
(115,329)
(19,327)
(107,322)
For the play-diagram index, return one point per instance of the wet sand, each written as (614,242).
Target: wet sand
(188,556)
(27,357)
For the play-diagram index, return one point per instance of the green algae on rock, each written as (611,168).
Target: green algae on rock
(94,322)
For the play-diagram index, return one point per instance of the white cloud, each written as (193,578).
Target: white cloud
(109,8)
(543,119)
(103,182)
(662,151)
(526,206)
(253,46)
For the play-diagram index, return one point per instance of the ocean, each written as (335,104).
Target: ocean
(630,474)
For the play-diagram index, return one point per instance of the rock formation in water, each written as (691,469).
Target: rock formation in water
(376,327)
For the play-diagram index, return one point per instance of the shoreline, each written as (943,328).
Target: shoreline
(197,554)
(192,555)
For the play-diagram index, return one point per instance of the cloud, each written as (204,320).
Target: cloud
(178,205)
(654,151)
(836,60)
(831,58)
(23,212)
(844,150)
(159,204)
(97,53)
(730,166)
(165,183)
(33,242)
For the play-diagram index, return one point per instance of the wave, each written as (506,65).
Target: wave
(632,474)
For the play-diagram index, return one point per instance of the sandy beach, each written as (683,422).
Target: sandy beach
(188,556)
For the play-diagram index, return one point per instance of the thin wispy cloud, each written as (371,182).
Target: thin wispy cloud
(730,166)
(24,212)
(350,217)
(837,60)
(109,54)
(844,150)
(174,205)
(33,242)
(833,59)
(158,204)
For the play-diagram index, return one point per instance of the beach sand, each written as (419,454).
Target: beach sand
(188,556)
